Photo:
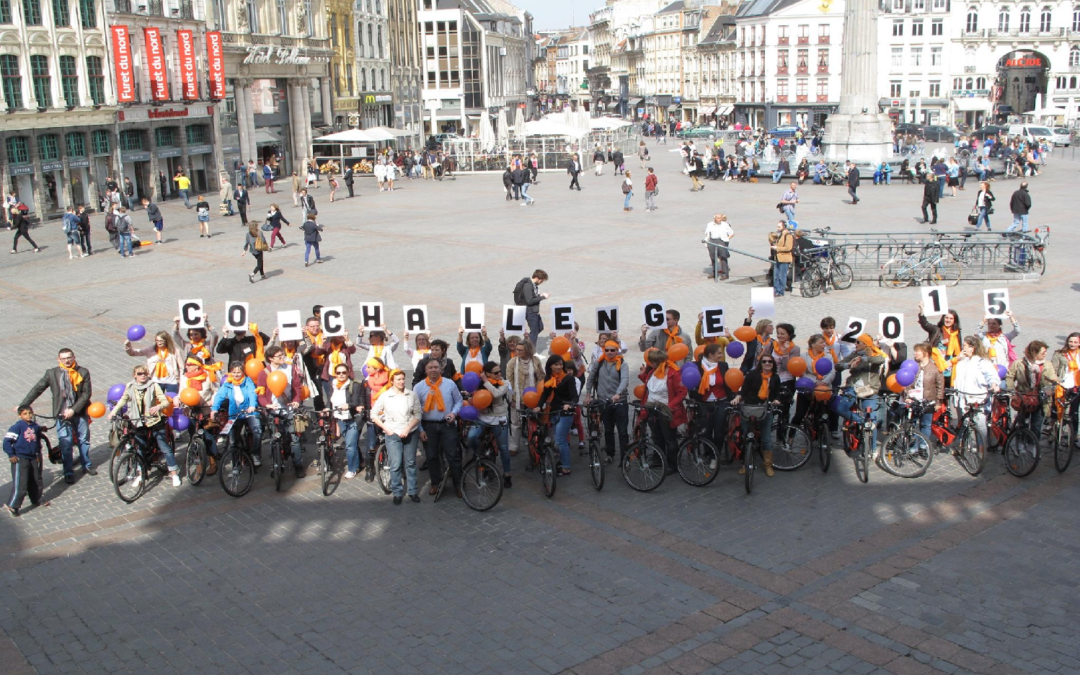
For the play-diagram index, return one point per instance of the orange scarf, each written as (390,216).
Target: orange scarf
(236,382)
(474,354)
(73,375)
(554,381)
(496,383)
(258,342)
(951,338)
(340,385)
(762,344)
(832,349)
(161,369)
(376,351)
(1073,359)
(992,351)
(777,349)
(337,357)
(617,359)
(661,370)
(196,381)
(318,339)
(763,392)
(939,360)
(203,352)
(290,354)
(672,339)
(704,387)
(434,399)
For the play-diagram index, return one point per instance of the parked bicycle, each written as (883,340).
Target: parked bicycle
(594,422)
(698,460)
(751,447)
(1063,428)
(929,264)
(541,449)
(970,453)
(905,451)
(325,437)
(644,465)
(1022,444)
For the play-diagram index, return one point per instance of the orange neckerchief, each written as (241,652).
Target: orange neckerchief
(474,353)
(340,385)
(318,339)
(337,357)
(434,399)
(763,392)
(202,351)
(554,380)
(161,370)
(763,344)
(290,354)
(73,375)
(704,387)
(618,357)
(1073,359)
(661,370)
(196,381)
(258,342)
(377,350)
(992,351)
(672,339)
(777,349)
(939,360)
(951,337)
(496,383)
(813,357)
(832,349)
(236,382)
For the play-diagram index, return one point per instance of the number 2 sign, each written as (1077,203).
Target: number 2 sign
(855,328)
(996,302)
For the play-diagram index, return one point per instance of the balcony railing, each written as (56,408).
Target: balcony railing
(990,33)
(804,39)
(823,39)
(782,40)
(182,9)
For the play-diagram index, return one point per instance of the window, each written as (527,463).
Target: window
(917,27)
(131,139)
(782,60)
(165,137)
(363,80)
(1044,20)
(39,72)
(782,38)
(87,14)
(823,33)
(96,79)
(253,20)
(801,87)
(898,5)
(31,12)
(916,57)
(283,17)
(61,12)
(196,134)
(823,60)
(1003,20)
(1074,56)
(382,79)
(958,83)
(379,40)
(804,33)
(970,84)
(972,24)
(782,89)
(935,57)
(980,83)
(9,70)
(937,27)
(894,89)
(920,5)
(897,27)
(897,57)
(18,150)
(935,90)
(1075,21)
(914,93)
(333,30)
(940,5)
(99,142)
(802,59)
(1025,20)
(823,90)
(5,11)
(49,147)
(371,41)
(76,145)
(69,80)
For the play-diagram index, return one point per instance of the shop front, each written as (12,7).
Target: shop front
(376,110)
(158,141)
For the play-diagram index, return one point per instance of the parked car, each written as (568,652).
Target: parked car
(907,128)
(1062,136)
(940,134)
(785,131)
(697,132)
(1031,132)
(990,131)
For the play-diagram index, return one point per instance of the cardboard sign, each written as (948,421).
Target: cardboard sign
(712,321)
(236,315)
(935,300)
(562,318)
(513,320)
(472,317)
(333,321)
(416,318)
(763,302)
(607,319)
(855,328)
(996,302)
(652,312)
(289,325)
(891,326)
(371,314)
(191,314)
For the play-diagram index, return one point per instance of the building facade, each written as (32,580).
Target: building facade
(340,25)
(376,101)
(405,77)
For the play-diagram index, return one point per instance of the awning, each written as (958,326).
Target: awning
(673,106)
(972,103)
(636,102)
(725,109)
(707,110)
(266,137)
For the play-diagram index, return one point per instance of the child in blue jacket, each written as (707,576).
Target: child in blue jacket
(22,443)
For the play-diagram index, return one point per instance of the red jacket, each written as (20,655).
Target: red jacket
(348,349)
(650,182)
(719,389)
(266,397)
(676,394)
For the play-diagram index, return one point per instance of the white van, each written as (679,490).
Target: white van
(1031,132)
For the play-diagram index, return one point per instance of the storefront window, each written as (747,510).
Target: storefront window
(164,137)
(9,70)
(39,71)
(197,134)
(18,150)
(49,147)
(76,145)
(99,141)
(69,80)
(131,140)
(96,79)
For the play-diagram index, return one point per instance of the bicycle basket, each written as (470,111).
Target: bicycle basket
(753,412)
(1025,401)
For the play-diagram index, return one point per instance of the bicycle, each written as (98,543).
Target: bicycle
(481,482)
(324,421)
(822,270)
(752,441)
(196,459)
(815,425)
(792,448)
(644,466)
(1021,448)
(138,453)
(905,452)
(970,455)
(595,423)
(930,264)
(541,449)
(236,470)
(997,426)
(1062,429)
(280,445)
(698,458)
(858,437)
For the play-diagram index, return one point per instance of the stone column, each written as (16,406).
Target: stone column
(305,112)
(252,147)
(241,96)
(328,110)
(296,124)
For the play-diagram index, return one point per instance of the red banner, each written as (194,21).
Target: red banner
(215,65)
(155,64)
(189,84)
(125,75)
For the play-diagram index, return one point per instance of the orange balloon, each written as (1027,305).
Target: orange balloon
(96,409)
(678,352)
(304,393)
(822,394)
(253,367)
(639,392)
(733,378)
(893,385)
(698,351)
(169,408)
(277,382)
(560,346)
(474,367)
(796,366)
(745,334)
(190,397)
(481,398)
(531,399)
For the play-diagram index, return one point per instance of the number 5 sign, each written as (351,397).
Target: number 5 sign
(996,302)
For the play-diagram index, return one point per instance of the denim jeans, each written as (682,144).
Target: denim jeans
(64,435)
(777,175)
(1020,221)
(502,441)
(873,403)
(984,216)
(780,278)
(626,199)
(763,430)
(308,245)
(562,430)
(161,437)
(402,451)
(293,439)
(925,422)
(350,431)
(789,212)
(525,193)
(255,425)
(185,194)
(125,245)
(536,326)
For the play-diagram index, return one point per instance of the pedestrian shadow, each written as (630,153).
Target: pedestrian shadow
(1076,287)
(274,273)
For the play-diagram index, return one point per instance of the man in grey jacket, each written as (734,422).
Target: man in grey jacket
(153,214)
(608,380)
(660,337)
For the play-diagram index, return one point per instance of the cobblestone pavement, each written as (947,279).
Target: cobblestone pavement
(813,573)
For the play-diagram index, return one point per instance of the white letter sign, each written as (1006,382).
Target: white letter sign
(289,325)
(891,326)
(236,315)
(653,313)
(416,319)
(371,314)
(562,318)
(333,321)
(996,302)
(191,314)
(712,321)
(472,317)
(513,320)
(935,300)
(607,319)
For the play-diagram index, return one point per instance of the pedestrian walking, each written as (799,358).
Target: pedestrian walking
(526,177)
(202,212)
(124,229)
(718,234)
(311,239)
(275,218)
(70,224)
(527,294)
(22,443)
(348,177)
(333,187)
(651,182)
(243,201)
(930,198)
(21,226)
(307,204)
(508,183)
(70,386)
(789,200)
(225,194)
(268,178)
(696,171)
(853,182)
(84,229)
(573,167)
(785,242)
(628,192)
(984,204)
(255,245)
(598,160)
(183,184)
(642,153)
(153,214)
(1020,205)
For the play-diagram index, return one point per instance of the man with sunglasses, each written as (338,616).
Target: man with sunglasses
(609,380)
(349,400)
(289,399)
(69,384)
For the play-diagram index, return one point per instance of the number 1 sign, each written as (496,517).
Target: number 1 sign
(935,300)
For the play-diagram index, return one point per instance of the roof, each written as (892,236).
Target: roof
(763,7)
(676,6)
(719,30)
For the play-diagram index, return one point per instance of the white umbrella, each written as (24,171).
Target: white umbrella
(487,135)
(504,130)
(519,123)
(552,128)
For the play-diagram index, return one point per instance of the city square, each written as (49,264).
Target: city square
(812,573)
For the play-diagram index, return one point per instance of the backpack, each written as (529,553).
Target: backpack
(519,292)
(110,223)
(625,188)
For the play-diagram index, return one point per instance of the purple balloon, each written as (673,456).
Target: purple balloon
(804,383)
(905,377)
(470,382)
(1002,372)
(823,366)
(528,389)
(136,333)
(180,422)
(735,349)
(468,412)
(115,392)
(691,375)
(363,371)
(909,363)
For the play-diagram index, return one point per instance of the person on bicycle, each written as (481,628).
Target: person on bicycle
(398,413)
(1033,375)
(945,340)
(609,380)
(713,390)
(200,342)
(349,399)
(335,351)
(929,386)
(865,367)
(760,387)
(146,401)
(782,349)
(817,349)
(198,377)
(163,361)
(290,399)
(523,371)
(243,345)
(763,343)
(441,401)
(973,377)
(438,353)
(381,344)
(560,393)
(999,345)
(1066,363)
(238,391)
(663,338)
(473,347)
(664,392)
(494,416)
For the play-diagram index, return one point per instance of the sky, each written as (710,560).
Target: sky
(557,14)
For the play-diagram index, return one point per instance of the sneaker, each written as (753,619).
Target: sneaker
(176,482)
(299,469)
(70,257)
(256,460)
(350,475)
(137,481)
(507,482)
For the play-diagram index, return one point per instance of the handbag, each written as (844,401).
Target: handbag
(973,217)
(267,226)
(301,424)
(261,245)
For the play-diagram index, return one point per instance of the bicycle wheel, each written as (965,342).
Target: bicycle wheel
(824,452)
(382,467)
(946,272)
(547,472)
(842,276)
(862,460)
(326,459)
(277,464)
(1021,452)
(811,284)
(195,461)
(121,448)
(481,486)
(644,466)
(129,475)
(596,464)
(969,455)
(792,452)
(697,461)
(1063,445)
(897,274)
(906,453)
(237,473)
(1038,262)
(748,465)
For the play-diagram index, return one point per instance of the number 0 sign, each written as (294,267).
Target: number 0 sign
(891,326)
(996,301)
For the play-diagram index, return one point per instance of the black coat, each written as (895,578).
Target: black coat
(752,384)
(241,197)
(617,158)
(508,178)
(51,381)
(931,193)
(853,177)
(519,176)
(348,176)
(239,349)
(570,169)
(449,371)
(1020,203)
(276,219)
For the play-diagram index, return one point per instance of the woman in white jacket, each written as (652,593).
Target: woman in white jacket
(974,377)
(163,360)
